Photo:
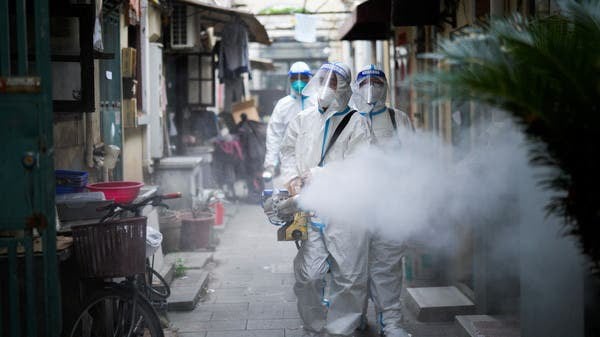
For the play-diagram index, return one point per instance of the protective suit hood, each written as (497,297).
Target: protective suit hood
(370,90)
(299,75)
(331,87)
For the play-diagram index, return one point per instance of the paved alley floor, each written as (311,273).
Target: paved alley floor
(250,291)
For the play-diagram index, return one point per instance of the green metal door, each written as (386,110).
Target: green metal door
(110,88)
(29,305)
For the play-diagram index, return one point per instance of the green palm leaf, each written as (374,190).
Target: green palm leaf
(545,72)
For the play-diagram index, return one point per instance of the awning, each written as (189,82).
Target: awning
(262,64)
(368,21)
(218,14)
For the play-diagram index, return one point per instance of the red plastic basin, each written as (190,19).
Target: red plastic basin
(119,191)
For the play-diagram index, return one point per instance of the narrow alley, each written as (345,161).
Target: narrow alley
(436,155)
(250,288)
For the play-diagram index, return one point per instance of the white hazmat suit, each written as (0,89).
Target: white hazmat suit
(285,110)
(385,254)
(330,245)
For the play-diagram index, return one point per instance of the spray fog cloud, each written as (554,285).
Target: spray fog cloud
(420,193)
(416,190)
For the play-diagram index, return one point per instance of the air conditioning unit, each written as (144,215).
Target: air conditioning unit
(183,31)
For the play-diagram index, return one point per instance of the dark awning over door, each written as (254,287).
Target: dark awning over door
(369,21)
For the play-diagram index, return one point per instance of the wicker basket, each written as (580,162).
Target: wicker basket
(111,249)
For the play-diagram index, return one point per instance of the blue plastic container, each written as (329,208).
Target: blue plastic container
(71,178)
(68,189)
(70,181)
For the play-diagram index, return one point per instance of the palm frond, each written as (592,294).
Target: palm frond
(545,72)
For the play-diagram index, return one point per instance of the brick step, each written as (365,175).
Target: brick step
(438,304)
(487,326)
(186,291)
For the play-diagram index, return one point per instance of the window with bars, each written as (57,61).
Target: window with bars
(201,80)
(72,59)
(179,27)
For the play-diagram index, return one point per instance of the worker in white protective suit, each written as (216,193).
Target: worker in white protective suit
(285,110)
(309,144)
(385,266)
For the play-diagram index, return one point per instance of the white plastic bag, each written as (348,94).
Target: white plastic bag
(153,240)
(97,37)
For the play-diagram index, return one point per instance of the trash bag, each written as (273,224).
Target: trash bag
(253,136)
(228,162)
(153,240)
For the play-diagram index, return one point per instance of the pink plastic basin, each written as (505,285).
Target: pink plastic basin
(120,191)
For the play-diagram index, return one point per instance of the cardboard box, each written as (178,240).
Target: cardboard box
(130,113)
(245,107)
(128,64)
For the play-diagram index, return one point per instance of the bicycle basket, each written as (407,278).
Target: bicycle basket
(111,249)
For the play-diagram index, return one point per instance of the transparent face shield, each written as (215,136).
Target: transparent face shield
(371,90)
(327,86)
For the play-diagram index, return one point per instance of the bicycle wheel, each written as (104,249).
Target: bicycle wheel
(162,289)
(115,312)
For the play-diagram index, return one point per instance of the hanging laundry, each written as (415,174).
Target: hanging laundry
(306,28)
(233,51)
(97,37)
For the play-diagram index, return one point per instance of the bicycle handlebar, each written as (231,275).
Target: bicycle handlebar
(172,195)
(155,200)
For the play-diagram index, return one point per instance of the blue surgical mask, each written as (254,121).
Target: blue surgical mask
(298,86)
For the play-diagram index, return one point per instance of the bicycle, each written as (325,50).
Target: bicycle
(123,308)
(152,292)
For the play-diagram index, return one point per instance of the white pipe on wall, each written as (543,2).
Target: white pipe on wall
(363,54)
(374,53)
(144,57)
(347,53)
(145,65)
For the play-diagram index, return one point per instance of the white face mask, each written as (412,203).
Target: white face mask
(326,97)
(376,95)
(372,94)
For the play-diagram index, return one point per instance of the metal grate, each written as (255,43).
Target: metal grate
(179,26)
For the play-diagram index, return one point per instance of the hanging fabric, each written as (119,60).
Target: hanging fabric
(306,28)
(97,38)
(233,51)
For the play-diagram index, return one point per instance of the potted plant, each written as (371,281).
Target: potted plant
(197,225)
(170,227)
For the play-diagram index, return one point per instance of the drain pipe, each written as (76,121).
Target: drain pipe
(145,60)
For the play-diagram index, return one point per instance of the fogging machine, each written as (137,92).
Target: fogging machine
(281,210)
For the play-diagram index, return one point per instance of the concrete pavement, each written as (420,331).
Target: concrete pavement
(250,287)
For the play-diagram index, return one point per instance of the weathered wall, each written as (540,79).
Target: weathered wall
(74,137)
(154,23)
(69,140)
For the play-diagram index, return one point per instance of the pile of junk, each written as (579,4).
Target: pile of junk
(185,223)
(80,203)
(237,145)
